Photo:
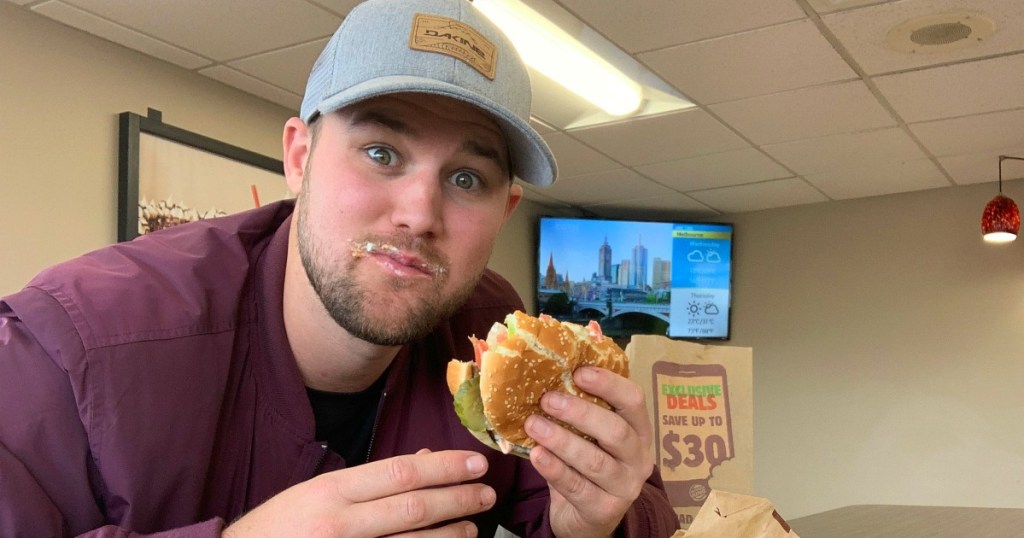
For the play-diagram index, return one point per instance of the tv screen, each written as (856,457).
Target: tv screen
(637,277)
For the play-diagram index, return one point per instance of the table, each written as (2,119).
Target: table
(877,520)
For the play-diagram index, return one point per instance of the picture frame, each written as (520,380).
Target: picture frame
(168,175)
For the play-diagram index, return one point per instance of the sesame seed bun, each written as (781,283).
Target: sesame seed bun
(526,358)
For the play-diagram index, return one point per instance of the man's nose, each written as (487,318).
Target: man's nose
(417,204)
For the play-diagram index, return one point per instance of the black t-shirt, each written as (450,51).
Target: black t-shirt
(344,420)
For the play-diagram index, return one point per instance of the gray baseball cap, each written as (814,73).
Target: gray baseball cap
(442,47)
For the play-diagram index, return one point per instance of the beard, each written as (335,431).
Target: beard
(382,317)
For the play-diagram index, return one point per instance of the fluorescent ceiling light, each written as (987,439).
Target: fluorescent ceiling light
(553,52)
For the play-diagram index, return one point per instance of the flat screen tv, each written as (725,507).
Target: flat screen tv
(637,277)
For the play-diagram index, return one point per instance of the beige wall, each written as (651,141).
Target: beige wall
(888,351)
(888,340)
(60,93)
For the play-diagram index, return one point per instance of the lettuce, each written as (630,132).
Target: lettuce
(470,409)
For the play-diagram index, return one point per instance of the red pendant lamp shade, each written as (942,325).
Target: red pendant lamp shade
(1001,220)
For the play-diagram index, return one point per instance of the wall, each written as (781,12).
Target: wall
(888,350)
(60,93)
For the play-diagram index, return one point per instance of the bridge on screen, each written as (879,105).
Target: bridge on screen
(659,311)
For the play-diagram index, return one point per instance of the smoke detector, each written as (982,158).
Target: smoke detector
(941,33)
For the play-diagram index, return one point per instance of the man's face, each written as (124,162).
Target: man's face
(400,204)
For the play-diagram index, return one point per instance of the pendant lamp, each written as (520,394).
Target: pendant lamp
(1001,220)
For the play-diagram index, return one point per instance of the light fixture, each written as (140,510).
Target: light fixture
(553,52)
(1001,219)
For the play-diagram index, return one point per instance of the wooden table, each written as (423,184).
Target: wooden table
(877,520)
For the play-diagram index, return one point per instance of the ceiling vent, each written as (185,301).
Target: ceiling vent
(940,33)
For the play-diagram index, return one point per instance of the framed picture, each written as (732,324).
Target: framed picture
(169,176)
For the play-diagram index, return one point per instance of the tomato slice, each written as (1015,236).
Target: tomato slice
(594,329)
(479,346)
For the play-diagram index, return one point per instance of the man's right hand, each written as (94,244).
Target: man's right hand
(380,498)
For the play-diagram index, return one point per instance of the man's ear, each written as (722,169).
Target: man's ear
(515,195)
(296,141)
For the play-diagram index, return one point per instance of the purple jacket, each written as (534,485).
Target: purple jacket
(149,386)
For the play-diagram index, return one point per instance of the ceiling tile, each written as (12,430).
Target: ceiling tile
(846,150)
(540,126)
(863,32)
(661,138)
(121,35)
(254,86)
(752,63)
(828,6)
(540,195)
(641,25)
(879,179)
(971,134)
(339,7)
(287,68)
(613,186)
(674,206)
(805,113)
(984,167)
(275,23)
(575,158)
(956,90)
(717,170)
(758,196)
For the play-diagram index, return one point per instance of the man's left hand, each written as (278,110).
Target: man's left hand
(593,485)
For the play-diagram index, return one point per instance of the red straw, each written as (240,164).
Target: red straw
(255,196)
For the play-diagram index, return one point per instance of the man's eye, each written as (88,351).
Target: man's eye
(382,155)
(465,180)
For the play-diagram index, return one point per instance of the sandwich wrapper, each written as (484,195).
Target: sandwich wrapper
(733,515)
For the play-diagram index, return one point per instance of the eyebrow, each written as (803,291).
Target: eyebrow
(487,152)
(365,117)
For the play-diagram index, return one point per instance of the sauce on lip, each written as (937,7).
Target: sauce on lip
(391,257)
(400,266)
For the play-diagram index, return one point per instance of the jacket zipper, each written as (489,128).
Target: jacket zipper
(376,422)
(320,460)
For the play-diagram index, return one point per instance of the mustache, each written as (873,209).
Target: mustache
(402,248)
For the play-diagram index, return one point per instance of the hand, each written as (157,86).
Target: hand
(385,497)
(593,485)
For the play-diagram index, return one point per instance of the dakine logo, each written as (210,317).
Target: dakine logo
(450,37)
(458,39)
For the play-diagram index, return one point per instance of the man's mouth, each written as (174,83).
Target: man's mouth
(395,259)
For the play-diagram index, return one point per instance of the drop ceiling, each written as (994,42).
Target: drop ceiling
(797,101)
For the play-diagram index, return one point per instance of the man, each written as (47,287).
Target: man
(280,374)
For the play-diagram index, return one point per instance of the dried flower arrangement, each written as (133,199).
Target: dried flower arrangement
(157,215)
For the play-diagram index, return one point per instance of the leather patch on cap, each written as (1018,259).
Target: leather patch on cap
(432,33)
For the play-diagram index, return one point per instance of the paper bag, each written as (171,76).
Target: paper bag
(731,515)
(700,399)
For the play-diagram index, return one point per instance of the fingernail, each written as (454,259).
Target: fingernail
(587,375)
(476,464)
(469,530)
(538,426)
(486,496)
(556,400)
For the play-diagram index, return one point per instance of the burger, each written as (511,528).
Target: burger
(515,365)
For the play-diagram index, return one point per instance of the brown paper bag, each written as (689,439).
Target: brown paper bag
(700,399)
(731,515)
